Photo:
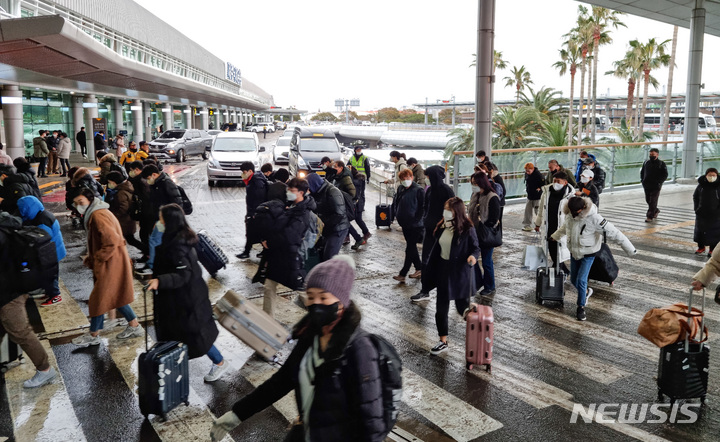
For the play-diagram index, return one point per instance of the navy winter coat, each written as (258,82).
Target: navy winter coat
(435,197)
(408,206)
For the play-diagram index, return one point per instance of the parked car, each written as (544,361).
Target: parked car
(228,151)
(281,150)
(179,143)
(258,127)
(308,146)
(280,125)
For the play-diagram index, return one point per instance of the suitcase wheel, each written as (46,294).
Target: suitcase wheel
(164,417)
(540,301)
(488,368)
(661,397)
(187,403)
(468,366)
(3,369)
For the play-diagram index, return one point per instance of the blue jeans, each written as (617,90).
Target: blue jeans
(488,277)
(579,271)
(333,243)
(52,289)
(154,241)
(214,355)
(96,322)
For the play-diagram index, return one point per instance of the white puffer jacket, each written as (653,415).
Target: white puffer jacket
(563,252)
(585,232)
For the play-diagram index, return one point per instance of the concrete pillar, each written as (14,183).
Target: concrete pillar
(167,114)
(77,115)
(217,118)
(118,116)
(136,111)
(13,121)
(189,117)
(90,104)
(204,117)
(147,117)
(484,76)
(692,102)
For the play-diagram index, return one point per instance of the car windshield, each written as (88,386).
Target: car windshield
(283,141)
(214,132)
(234,145)
(174,134)
(319,145)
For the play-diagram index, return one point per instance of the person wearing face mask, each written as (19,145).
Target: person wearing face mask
(121,205)
(326,165)
(141,190)
(408,210)
(587,187)
(343,181)
(182,310)
(450,266)
(256,185)
(13,186)
(706,202)
(484,207)
(550,216)
(598,173)
(132,154)
(585,230)
(359,181)
(360,162)
(533,185)
(399,159)
(417,170)
(333,368)
(163,191)
(331,210)
(555,167)
(652,176)
(110,264)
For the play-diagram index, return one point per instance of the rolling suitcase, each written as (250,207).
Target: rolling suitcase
(9,353)
(163,376)
(604,267)
(210,254)
(479,337)
(550,284)
(683,366)
(383,212)
(251,324)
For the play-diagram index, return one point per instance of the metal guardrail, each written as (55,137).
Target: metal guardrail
(621,162)
(133,49)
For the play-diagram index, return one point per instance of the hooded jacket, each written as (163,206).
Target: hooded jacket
(26,170)
(256,192)
(33,213)
(579,167)
(344,182)
(399,167)
(83,179)
(550,221)
(8,277)
(418,175)
(163,192)
(330,206)
(585,232)
(40,148)
(120,207)
(347,403)
(106,166)
(435,197)
(64,148)
(14,187)
(5,158)
(408,206)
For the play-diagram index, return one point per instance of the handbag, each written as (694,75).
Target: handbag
(671,324)
(488,237)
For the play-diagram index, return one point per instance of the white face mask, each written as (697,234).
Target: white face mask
(290,196)
(151,181)
(584,179)
(112,185)
(447,215)
(160,227)
(407,183)
(712,178)
(558,186)
(476,189)
(427,182)
(81,209)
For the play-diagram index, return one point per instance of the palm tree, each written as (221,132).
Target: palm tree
(519,78)
(666,117)
(568,63)
(554,133)
(460,140)
(650,55)
(513,127)
(547,101)
(599,21)
(627,134)
(582,37)
(498,61)
(625,70)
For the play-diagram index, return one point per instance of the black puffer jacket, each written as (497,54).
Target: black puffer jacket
(285,265)
(81,180)
(15,187)
(706,202)
(533,185)
(598,178)
(26,170)
(408,206)
(331,208)
(653,174)
(8,278)
(142,190)
(347,405)
(256,189)
(182,307)
(164,191)
(435,197)
(344,182)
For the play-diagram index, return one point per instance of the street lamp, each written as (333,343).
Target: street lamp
(340,102)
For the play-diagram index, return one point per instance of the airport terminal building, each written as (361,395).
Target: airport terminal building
(110,64)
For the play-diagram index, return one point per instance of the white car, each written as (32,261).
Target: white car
(258,127)
(281,150)
(229,150)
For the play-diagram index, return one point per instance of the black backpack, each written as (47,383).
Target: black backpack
(268,219)
(116,167)
(349,205)
(186,203)
(36,261)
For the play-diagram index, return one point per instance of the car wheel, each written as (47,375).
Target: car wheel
(205,155)
(211,183)
(180,157)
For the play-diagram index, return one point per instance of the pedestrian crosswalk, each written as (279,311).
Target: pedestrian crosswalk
(544,360)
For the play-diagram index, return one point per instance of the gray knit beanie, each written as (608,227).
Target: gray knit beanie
(335,276)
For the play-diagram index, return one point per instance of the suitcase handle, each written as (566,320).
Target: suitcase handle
(702,321)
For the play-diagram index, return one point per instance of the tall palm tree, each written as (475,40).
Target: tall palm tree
(460,140)
(519,77)
(547,101)
(599,21)
(568,63)
(498,61)
(625,70)
(650,55)
(514,127)
(666,117)
(582,37)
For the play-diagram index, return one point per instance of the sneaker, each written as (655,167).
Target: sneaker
(527,229)
(588,294)
(41,378)
(347,240)
(416,275)
(52,301)
(117,322)
(85,156)
(260,254)
(581,314)
(216,371)
(37,294)
(367,236)
(700,251)
(143,259)
(131,332)
(243,255)
(648,220)
(144,270)
(439,348)
(357,244)
(420,297)
(86,340)
(399,278)
(486,292)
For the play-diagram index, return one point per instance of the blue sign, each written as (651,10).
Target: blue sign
(233,74)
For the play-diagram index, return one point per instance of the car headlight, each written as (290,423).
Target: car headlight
(257,164)
(302,175)
(301,163)
(212,162)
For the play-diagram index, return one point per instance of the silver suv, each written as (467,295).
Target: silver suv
(179,143)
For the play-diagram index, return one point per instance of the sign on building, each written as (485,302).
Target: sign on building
(232,73)
(99,124)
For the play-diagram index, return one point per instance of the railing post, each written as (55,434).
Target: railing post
(612,167)
(702,159)
(675,164)
(535,158)
(456,164)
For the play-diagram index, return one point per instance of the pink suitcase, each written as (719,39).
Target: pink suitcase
(479,337)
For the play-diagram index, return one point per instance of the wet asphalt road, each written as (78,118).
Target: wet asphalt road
(544,360)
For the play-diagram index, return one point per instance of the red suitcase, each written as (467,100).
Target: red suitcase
(479,337)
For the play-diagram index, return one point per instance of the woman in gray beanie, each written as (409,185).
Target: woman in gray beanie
(333,368)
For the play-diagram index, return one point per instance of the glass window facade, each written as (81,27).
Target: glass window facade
(47,111)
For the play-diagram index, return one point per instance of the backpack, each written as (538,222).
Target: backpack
(186,203)
(498,190)
(269,219)
(349,205)
(116,167)
(311,236)
(36,261)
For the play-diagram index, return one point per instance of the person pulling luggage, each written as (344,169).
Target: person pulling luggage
(182,310)
(584,229)
(553,200)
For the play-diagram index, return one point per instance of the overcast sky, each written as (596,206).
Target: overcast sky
(398,52)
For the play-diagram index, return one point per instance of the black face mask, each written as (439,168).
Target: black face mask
(575,215)
(322,315)
(653,157)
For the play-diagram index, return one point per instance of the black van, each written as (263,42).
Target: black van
(308,146)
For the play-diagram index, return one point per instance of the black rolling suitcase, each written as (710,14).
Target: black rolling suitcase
(163,376)
(210,254)
(549,281)
(683,366)
(383,212)
(604,268)
(9,353)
